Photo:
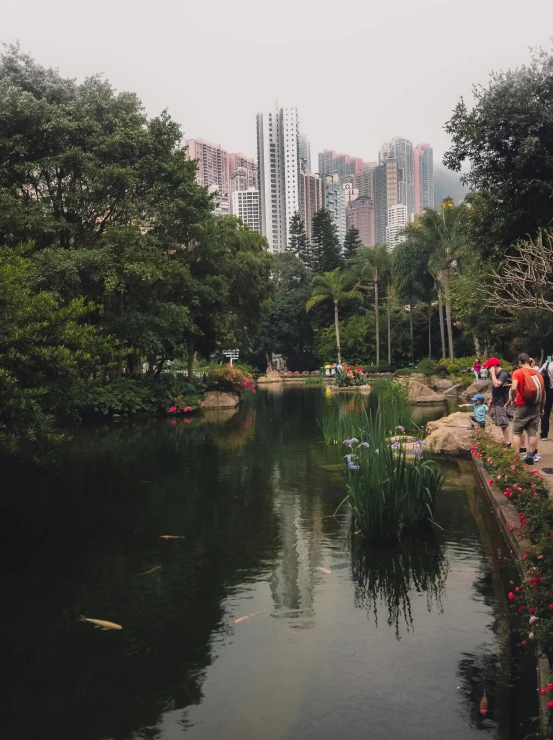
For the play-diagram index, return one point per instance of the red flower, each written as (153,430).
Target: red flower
(523,642)
(550,686)
(512,597)
(521,608)
(543,692)
(551,607)
(550,704)
(511,528)
(490,482)
(532,609)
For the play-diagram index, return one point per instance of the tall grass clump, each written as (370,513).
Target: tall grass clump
(392,485)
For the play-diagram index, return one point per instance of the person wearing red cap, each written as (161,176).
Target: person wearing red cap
(501,382)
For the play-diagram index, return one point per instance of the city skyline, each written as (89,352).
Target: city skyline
(187,80)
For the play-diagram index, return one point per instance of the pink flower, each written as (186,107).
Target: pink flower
(532,620)
(511,528)
(186,409)
(512,597)
(513,467)
(173,409)
(543,692)
(490,482)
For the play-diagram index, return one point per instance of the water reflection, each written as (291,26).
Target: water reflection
(386,575)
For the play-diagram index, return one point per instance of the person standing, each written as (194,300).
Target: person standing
(547,374)
(476,368)
(528,397)
(501,382)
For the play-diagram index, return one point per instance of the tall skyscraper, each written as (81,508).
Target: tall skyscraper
(380,204)
(311,199)
(243,174)
(245,205)
(397,218)
(334,201)
(364,180)
(305,153)
(424,177)
(213,166)
(360,213)
(279,173)
(402,150)
(331,163)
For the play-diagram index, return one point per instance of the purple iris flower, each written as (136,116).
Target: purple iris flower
(395,445)
(401,429)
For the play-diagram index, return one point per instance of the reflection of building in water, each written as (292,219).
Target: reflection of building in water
(301,546)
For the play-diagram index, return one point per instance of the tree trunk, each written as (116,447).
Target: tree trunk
(190,359)
(269,363)
(411,330)
(377,326)
(441,313)
(429,329)
(337,325)
(448,313)
(389,331)
(477,348)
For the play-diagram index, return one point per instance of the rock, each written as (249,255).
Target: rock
(419,393)
(271,377)
(480,386)
(448,441)
(441,384)
(450,435)
(221,400)
(453,391)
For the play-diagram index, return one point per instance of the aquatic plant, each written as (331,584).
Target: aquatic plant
(392,484)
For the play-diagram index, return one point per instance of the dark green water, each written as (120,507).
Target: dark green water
(395,643)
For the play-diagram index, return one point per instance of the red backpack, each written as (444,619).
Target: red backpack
(531,388)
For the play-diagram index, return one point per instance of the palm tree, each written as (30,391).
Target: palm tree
(447,232)
(331,286)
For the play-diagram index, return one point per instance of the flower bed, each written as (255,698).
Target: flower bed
(526,489)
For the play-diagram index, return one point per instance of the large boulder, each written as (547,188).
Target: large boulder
(221,400)
(480,386)
(442,384)
(272,377)
(450,435)
(453,391)
(420,393)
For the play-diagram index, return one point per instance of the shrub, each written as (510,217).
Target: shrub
(441,370)
(453,368)
(232,379)
(427,366)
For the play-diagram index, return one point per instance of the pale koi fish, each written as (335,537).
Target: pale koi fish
(170,537)
(324,570)
(101,623)
(243,619)
(152,570)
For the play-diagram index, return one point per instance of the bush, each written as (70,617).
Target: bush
(427,366)
(442,370)
(232,379)
(453,369)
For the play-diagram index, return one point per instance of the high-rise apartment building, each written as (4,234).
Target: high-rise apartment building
(311,199)
(364,180)
(305,153)
(213,166)
(424,177)
(380,204)
(245,205)
(279,173)
(243,174)
(360,213)
(397,219)
(350,193)
(331,163)
(334,201)
(402,150)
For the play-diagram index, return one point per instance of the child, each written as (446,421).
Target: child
(479,409)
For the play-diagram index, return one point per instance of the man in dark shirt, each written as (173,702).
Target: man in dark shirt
(501,383)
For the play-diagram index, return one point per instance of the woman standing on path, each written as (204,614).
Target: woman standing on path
(476,368)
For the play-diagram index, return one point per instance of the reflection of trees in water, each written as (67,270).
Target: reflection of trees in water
(387,573)
(480,673)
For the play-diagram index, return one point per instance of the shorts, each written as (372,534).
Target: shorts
(526,419)
(502,414)
(481,424)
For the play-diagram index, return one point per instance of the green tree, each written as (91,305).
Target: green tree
(46,351)
(352,242)
(325,252)
(331,286)
(507,138)
(298,238)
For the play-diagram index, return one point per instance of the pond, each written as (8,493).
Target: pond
(262,618)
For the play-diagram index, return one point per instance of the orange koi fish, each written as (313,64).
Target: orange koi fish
(324,570)
(484,705)
(101,623)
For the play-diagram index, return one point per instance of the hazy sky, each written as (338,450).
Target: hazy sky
(359,71)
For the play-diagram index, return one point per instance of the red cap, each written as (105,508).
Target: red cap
(491,362)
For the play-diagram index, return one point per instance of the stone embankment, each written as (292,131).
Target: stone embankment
(425,390)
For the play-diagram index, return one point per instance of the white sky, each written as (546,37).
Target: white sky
(360,72)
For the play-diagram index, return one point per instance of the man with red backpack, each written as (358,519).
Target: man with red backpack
(528,399)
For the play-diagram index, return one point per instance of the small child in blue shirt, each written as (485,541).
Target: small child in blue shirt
(479,410)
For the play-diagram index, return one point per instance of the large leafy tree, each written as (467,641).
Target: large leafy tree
(47,349)
(332,286)
(325,251)
(507,137)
